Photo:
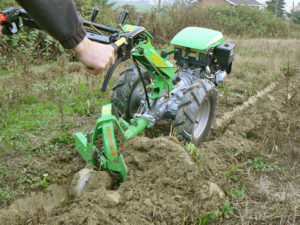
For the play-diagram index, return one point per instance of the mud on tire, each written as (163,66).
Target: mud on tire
(128,91)
(196,112)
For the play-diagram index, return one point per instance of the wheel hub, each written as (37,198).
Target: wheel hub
(202,118)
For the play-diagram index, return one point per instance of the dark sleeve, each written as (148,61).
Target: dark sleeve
(59,18)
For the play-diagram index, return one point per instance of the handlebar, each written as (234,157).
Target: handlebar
(121,41)
(10,21)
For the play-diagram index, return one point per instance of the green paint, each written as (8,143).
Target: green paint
(136,127)
(152,61)
(198,38)
(108,157)
(163,66)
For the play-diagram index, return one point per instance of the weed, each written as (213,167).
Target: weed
(193,152)
(276,148)
(37,180)
(258,163)
(227,209)
(64,138)
(191,148)
(238,152)
(5,196)
(232,173)
(225,90)
(239,194)
(209,217)
(289,70)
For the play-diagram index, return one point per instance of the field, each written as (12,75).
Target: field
(247,172)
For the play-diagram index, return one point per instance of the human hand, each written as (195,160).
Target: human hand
(95,56)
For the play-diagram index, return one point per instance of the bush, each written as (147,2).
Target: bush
(163,24)
(296,17)
(241,21)
(28,44)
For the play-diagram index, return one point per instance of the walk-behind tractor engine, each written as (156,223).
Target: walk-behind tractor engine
(150,90)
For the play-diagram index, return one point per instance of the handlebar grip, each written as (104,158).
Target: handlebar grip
(116,45)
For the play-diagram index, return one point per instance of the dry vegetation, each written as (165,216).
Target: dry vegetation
(241,22)
(253,157)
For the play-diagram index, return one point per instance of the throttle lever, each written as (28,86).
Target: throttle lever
(138,20)
(94,14)
(123,16)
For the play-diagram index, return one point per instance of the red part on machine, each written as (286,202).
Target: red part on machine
(3,18)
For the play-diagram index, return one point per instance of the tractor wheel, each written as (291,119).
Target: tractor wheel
(128,91)
(196,112)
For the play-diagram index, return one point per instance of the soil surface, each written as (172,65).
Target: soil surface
(165,186)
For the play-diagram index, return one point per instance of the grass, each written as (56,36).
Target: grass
(20,180)
(40,109)
(5,196)
(254,69)
(46,107)
(20,68)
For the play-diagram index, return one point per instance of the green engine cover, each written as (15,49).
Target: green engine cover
(198,38)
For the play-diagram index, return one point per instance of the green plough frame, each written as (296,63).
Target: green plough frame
(108,157)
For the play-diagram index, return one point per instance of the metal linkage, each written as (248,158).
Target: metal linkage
(143,81)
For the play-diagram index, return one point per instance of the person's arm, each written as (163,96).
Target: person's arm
(60,19)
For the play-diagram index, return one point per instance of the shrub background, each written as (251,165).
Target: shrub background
(163,24)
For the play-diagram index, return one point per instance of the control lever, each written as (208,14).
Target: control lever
(138,20)
(123,16)
(94,14)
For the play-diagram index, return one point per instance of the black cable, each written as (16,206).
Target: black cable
(143,81)
(109,73)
